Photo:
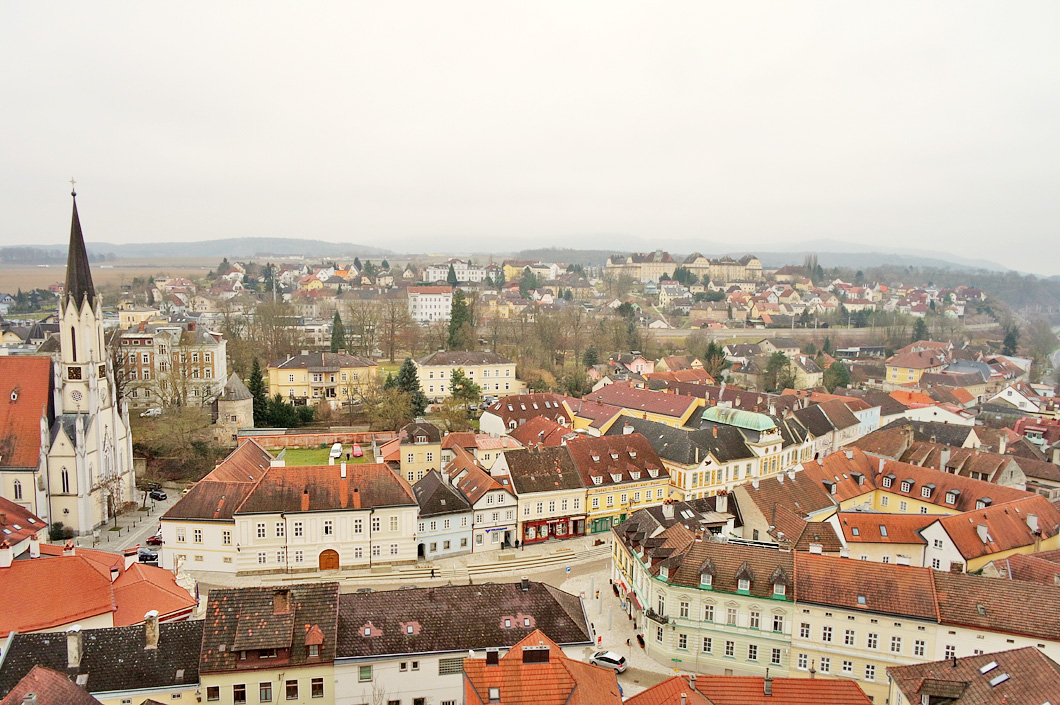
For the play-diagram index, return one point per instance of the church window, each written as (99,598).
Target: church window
(18,489)
(73,343)
(66,481)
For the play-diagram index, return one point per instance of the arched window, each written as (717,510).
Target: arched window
(66,481)
(18,489)
(73,343)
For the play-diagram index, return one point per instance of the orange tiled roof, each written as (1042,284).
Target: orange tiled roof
(50,687)
(25,388)
(672,691)
(143,588)
(45,584)
(863,585)
(749,690)
(860,527)
(559,681)
(1006,525)
(17,523)
(247,463)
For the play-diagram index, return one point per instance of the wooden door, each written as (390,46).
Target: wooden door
(329,560)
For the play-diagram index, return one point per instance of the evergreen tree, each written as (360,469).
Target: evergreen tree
(463,389)
(827,347)
(1012,340)
(338,334)
(591,357)
(836,376)
(256,385)
(408,381)
(528,282)
(357,263)
(281,414)
(451,276)
(390,382)
(384,264)
(920,330)
(499,281)
(459,322)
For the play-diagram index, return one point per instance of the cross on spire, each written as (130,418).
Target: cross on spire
(73,191)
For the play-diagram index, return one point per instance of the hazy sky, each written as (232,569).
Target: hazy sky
(434,126)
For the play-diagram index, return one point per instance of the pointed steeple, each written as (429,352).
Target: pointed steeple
(78,275)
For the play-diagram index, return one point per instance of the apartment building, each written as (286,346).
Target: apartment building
(430,303)
(309,378)
(170,365)
(493,373)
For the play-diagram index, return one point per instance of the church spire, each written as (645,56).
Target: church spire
(78,275)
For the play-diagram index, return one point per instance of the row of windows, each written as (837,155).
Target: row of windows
(802,662)
(706,646)
(624,498)
(732,614)
(539,508)
(471,373)
(265,694)
(872,639)
(298,555)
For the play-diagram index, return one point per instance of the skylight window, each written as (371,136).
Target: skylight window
(883,531)
(988,667)
(861,600)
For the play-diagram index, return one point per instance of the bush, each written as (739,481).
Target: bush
(59,532)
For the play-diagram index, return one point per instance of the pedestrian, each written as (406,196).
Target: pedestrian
(432,572)
(629,643)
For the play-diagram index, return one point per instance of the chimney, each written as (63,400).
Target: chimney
(1032,522)
(131,555)
(34,546)
(903,560)
(493,657)
(151,630)
(791,474)
(524,584)
(816,548)
(73,647)
(668,511)
(754,483)
(692,680)
(944,459)
(981,530)
(767,685)
(342,470)
(684,698)
(627,429)
(721,503)
(115,571)
(6,556)
(715,429)
(780,478)
(68,549)
(1002,445)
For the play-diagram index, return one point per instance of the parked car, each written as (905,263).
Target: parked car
(151,412)
(609,659)
(146,555)
(336,451)
(155,540)
(357,451)
(158,495)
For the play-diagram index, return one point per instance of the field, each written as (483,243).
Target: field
(104,274)
(319,456)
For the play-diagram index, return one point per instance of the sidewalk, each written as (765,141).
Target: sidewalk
(471,567)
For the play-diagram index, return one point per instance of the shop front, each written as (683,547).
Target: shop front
(558,528)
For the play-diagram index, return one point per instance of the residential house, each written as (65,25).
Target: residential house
(493,373)
(430,303)
(270,644)
(485,448)
(419,450)
(148,662)
(550,492)
(512,412)
(43,686)
(831,424)
(883,538)
(906,368)
(411,645)
(1015,676)
(532,666)
(672,409)
(337,378)
(494,503)
(967,542)
(444,518)
(621,474)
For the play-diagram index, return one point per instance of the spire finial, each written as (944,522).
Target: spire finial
(73,191)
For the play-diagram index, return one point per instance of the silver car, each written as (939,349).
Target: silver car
(609,659)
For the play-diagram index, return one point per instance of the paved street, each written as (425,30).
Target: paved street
(134,527)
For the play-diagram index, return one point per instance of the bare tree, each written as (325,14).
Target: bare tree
(364,324)
(394,321)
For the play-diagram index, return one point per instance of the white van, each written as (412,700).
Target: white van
(336,451)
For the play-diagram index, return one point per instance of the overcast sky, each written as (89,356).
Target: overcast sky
(455,126)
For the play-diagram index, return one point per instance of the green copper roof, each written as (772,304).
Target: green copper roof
(739,418)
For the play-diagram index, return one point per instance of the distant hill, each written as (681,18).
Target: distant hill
(235,247)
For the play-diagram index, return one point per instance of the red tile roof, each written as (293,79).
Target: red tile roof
(522,407)
(1029,567)
(861,527)
(1007,526)
(143,588)
(317,488)
(45,584)
(1033,679)
(559,681)
(25,393)
(863,585)
(247,463)
(50,687)
(17,523)
(622,395)
(541,431)
(749,690)
(629,458)
(672,691)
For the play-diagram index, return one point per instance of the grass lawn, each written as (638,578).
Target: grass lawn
(319,456)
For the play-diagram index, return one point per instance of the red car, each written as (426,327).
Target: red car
(357,452)
(155,540)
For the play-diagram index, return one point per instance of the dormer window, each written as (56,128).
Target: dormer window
(907,485)
(597,480)
(616,477)
(744,585)
(951,498)
(706,580)
(925,491)
(633,454)
(614,456)
(887,482)
(314,650)
(664,572)
(635,475)
(779,589)
(653,472)
(596,458)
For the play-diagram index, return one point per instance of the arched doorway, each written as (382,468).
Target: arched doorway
(329,560)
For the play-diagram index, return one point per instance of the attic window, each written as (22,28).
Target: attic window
(951,498)
(861,600)
(981,609)
(855,531)
(653,472)
(883,531)
(706,579)
(664,572)
(744,585)
(597,479)
(368,631)
(907,485)
(887,482)
(614,456)
(14,395)
(635,474)
(616,477)
(633,454)
(926,490)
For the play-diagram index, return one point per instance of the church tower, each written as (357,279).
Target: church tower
(89,476)
(82,351)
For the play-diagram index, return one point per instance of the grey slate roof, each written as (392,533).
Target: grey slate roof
(459,358)
(114,658)
(543,470)
(680,445)
(235,390)
(456,618)
(248,617)
(946,434)
(436,497)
